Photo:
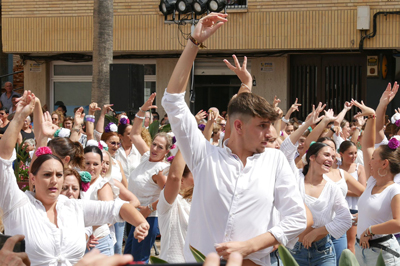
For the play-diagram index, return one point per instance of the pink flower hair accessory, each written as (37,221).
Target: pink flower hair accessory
(393,143)
(42,151)
(170,158)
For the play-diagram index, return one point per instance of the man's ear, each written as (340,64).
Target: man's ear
(238,126)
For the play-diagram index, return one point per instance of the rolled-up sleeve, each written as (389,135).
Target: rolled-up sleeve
(290,205)
(342,221)
(102,212)
(191,142)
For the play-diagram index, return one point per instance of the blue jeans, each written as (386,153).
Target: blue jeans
(274,260)
(340,244)
(119,235)
(105,246)
(369,256)
(141,251)
(321,253)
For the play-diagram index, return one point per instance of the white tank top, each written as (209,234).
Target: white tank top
(353,201)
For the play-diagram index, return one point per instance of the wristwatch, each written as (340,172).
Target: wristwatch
(333,129)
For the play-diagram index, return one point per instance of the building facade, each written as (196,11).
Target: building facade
(297,49)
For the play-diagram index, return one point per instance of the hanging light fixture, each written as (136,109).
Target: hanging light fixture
(167,6)
(216,5)
(184,6)
(200,6)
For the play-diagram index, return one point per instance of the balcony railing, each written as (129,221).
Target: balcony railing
(237,4)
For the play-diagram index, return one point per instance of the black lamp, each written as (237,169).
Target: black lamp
(200,6)
(216,5)
(167,6)
(184,6)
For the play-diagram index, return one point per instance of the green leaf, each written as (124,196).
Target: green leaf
(380,261)
(198,256)
(286,257)
(112,119)
(166,128)
(156,260)
(347,258)
(153,128)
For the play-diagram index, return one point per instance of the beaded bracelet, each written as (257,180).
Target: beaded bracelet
(285,120)
(195,42)
(140,117)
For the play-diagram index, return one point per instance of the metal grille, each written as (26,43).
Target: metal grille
(330,79)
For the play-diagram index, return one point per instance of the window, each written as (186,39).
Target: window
(237,4)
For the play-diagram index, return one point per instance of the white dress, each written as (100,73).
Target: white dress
(173,221)
(47,244)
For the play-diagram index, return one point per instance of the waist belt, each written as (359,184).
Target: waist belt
(375,243)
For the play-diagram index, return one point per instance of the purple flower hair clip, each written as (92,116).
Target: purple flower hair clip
(393,144)
(124,121)
(111,127)
(173,140)
(202,127)
(397,123)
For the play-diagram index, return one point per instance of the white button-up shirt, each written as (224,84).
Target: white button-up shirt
(47,244)
(130,162)
(231,202)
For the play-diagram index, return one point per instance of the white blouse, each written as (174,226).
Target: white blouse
(116,170)
(330,209)
(47,244)
(141,182)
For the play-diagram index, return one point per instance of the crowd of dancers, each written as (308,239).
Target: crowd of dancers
(243,181)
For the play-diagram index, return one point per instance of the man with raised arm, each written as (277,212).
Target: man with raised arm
(236,187)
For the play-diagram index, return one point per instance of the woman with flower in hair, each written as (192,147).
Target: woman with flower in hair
(147,181)
(53,225)
(379,205)
(74,183)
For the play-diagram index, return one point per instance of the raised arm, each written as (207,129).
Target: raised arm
(90,121)
(317,131)
(292,109)
(173,184)
(210,125)
(78,121)
(136,130)
(100,123)
(340,116)
(387,96)
(242,73)
(368,140)
(203,30)
(312,119)
(25,107)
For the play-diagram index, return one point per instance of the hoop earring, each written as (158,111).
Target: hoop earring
(379,172)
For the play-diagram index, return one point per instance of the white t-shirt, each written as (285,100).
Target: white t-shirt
(173,221)
(375,209)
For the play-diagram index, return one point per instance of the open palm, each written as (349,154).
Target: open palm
(208,25)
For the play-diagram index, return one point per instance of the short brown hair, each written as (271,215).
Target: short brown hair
(249,104)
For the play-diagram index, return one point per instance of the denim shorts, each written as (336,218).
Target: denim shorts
(321,253)
(369,256)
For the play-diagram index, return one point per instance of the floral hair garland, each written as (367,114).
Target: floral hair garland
(394,143)
(62,133)
(85,180)
(111,127)
(170,158)
(202,127)
(42,151)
